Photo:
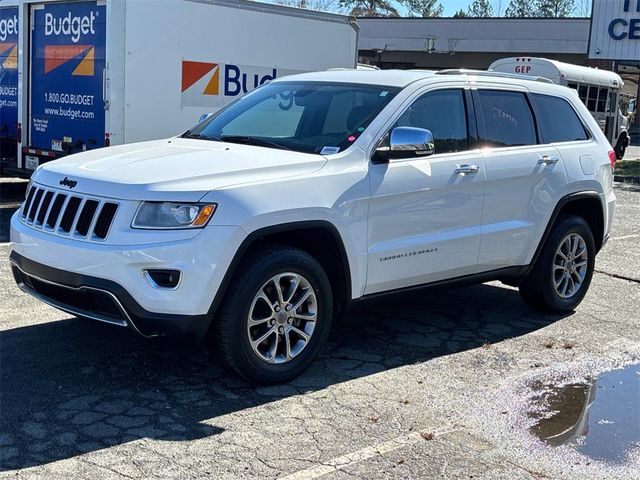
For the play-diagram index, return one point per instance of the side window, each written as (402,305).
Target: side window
(593,98)
(443,112)
(508,120)
(602,100)
(557,120)
(612,103)
(582,93)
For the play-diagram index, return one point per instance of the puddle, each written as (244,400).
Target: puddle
(599,418)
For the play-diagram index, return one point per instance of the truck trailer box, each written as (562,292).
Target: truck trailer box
(108,72)
(8,81)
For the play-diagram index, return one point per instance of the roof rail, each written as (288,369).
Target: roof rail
(491,73)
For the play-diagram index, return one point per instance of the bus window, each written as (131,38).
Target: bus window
(611,104)
(593,99)
(602,100)
(582,93)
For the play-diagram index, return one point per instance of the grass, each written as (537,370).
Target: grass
(628,167)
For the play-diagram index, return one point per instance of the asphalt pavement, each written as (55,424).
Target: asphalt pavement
(420,385)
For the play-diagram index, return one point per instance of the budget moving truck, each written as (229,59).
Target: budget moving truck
(106,72)
(8,80)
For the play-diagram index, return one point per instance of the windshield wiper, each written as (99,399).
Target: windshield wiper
(200,136)
(247,140)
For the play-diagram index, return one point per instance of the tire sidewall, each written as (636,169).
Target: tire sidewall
(288,261)
(565,228)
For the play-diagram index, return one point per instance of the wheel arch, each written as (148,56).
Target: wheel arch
(587,205)
(320,238)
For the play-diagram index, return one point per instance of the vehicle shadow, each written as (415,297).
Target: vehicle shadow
(5,222)
(12,193)
(74,386)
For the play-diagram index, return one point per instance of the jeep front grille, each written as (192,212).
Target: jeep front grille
(65,213)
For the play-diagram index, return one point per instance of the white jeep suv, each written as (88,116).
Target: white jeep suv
(256,227)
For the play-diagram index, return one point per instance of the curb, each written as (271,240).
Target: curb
(635,179)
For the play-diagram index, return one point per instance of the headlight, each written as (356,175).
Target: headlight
(173,215)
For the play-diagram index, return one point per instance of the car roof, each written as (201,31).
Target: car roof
(390,78)
(403,78)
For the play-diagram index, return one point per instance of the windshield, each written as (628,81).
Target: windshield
(308,117)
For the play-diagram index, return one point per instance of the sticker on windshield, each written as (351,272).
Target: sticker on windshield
(384,93)
(329,150)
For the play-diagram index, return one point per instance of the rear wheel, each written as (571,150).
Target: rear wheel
(276,315)
(621,147)
(562,274)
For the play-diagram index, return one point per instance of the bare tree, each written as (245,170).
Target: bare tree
(319,5)
(520,9)
(369,8)
(583,8)
(480,8)
(423,8)
(554,8)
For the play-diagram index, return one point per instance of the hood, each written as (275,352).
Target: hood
(175,169)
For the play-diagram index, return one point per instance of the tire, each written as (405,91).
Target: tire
(621,147)
(540,288)
(251,291)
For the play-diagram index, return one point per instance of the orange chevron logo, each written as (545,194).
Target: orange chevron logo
(56,55)
(194,71)
(11,62)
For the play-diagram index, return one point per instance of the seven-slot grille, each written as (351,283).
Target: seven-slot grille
(65,213)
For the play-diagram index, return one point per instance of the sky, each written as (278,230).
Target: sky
(450,6)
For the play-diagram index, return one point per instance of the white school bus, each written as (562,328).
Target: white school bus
(599,90)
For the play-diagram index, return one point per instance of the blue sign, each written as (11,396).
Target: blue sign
(8,73)
(621,28)
(67,78)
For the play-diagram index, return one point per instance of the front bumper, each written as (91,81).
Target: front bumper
(107,282)
(99,299)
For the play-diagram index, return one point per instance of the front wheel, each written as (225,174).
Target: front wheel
(562,274)
(276,315)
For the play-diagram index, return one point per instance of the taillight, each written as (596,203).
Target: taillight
(19,133)
(612,159)
(107,140)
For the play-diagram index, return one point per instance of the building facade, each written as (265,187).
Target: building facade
(440,43)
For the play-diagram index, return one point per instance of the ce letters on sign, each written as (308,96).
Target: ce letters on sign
(621,28)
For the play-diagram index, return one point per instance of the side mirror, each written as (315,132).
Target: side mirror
(407,142)
(204,116)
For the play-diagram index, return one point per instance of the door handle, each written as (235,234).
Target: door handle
(465,169)
(547,160)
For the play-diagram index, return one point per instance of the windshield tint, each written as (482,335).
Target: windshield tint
(307,117)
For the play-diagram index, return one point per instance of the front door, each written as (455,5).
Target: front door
(425,213)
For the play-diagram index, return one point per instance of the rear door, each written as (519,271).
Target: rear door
(8,81)
(67,52)
(524,178)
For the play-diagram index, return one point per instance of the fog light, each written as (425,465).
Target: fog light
(160,278)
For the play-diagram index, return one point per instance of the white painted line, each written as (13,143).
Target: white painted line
(625,237)
(366,453)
